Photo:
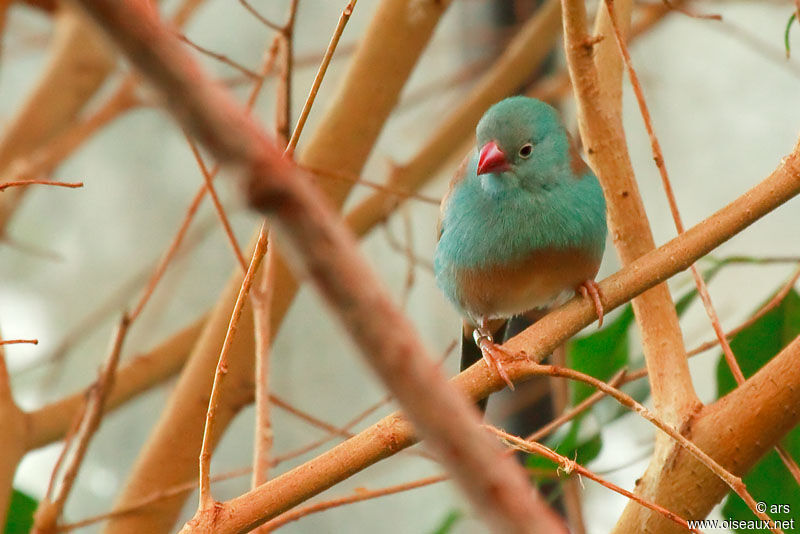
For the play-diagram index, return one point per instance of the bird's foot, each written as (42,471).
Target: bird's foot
(590,289)
(492,354)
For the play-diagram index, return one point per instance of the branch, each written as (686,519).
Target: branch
(394,433)
(18,341)
(12,438)
(23,183)
(208,177)
(570,466)
(323,68)
(50,422)
(206,501)
(702,287)
(496,486)
(387,53)
(600,124)
(78,64)
(734,482)
(766,308)
(524,54)
(49,509)
(263,435)
(359,496)
(739,438)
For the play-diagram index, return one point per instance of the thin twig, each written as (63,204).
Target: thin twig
(147,501)
(571,487)
(15,341)
(408,251)
(576,410)
(766,308)
(263,435)
(111,305)
(397,246)
(307,417)
(385,188)
(326,60)
(569,466)
(360,495)
(219,57)
(681,9)
(702,287)
(262,296)
(206,499)
(733,481)
(208,176)
(24,183)
(261,18)
(169,254)
(283,100)
(49,511)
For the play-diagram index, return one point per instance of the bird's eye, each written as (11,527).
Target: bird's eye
(525,151)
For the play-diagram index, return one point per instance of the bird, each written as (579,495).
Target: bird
(522,227)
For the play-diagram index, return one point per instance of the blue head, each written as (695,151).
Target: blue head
(523,143)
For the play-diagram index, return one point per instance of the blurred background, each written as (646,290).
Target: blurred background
(724,104)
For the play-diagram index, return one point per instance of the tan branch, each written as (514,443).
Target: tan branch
(702,287)
(522,56)
(496,486)
(394,433)
(600,124)
(323,68)
(18,341)
(50,423)
(49,509)
(738,438)
(569,467)
(382,63)
(358,496)
(733,481)
(79,62)
(206,501)
(263,435)
(23,183)
(762,311)
(208,177)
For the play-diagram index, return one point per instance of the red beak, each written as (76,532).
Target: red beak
(492,159)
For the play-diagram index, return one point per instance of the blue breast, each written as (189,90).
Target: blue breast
(490,219)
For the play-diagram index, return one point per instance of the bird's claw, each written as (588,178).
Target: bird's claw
(590,290)
(492,354)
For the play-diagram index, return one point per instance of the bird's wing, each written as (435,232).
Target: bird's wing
(459,175)
(578,166)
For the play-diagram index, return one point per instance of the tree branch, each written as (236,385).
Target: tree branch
(524,54)
(78,64)
(496,486)
(391,46)
(601,129)
(394,433)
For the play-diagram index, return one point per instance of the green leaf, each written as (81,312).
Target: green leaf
(450,520)
(769,481)
(757,344)
(20,513)
(786,35)
(600,354)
